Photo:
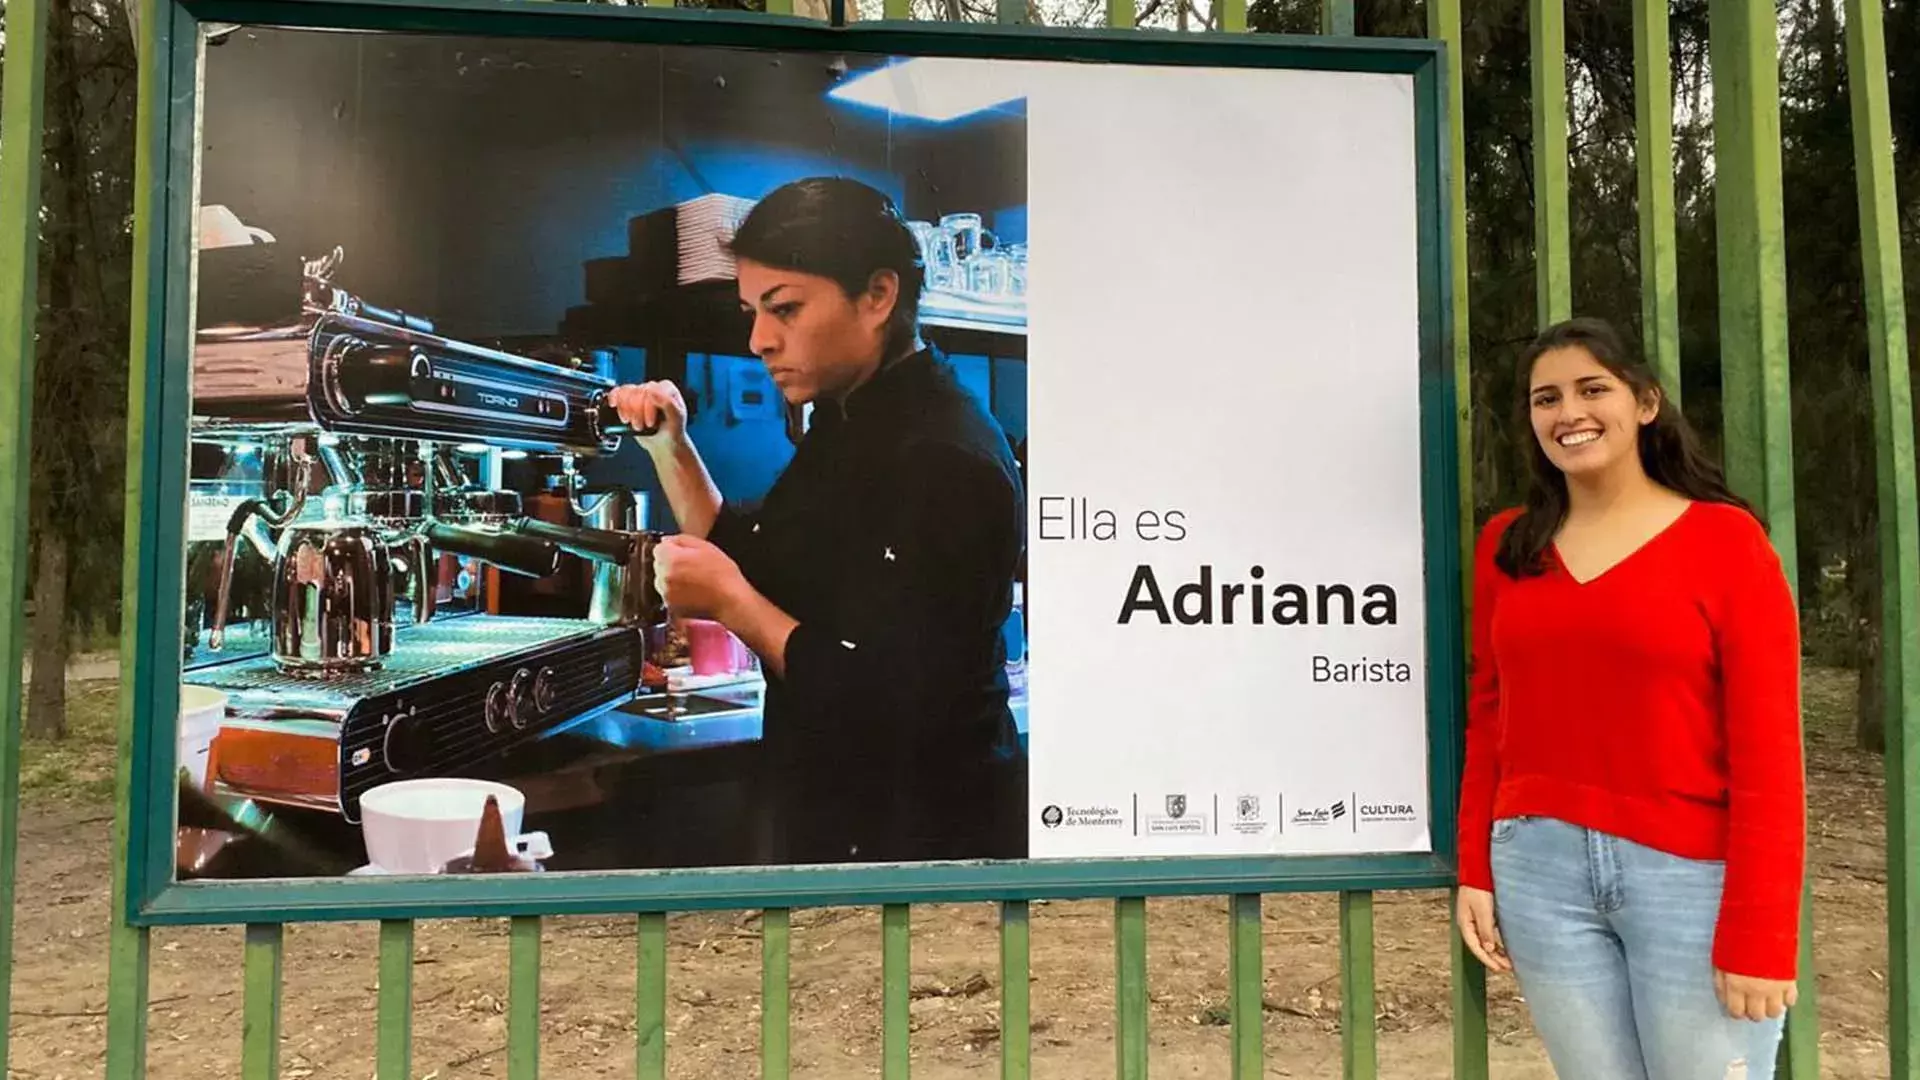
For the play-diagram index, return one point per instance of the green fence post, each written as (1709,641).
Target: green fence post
(650,997)
(896,974)
(523,998)
(1130,987)
(260,1021)
(1016,1016)
(1756,395)
(1336,17)
(1358,1054)
(775,1031)
(1899,530)
(1246,974)
(1469,979)
(1553,265)
(1653,158)
(395,1025)
(21,112)
(127,948)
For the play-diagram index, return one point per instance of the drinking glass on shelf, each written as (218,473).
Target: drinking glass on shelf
(990,274)
(968,235)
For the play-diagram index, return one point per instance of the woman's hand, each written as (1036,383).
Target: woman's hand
(651,405)
(696,579)
(1480,930)
(1748,998)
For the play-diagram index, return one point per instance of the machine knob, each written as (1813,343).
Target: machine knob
(407,745)
(520,698)
(498,707)
(543,691)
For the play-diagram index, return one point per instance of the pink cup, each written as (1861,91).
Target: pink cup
(712,648)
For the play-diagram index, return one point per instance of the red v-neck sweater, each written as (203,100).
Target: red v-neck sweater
(1659,703)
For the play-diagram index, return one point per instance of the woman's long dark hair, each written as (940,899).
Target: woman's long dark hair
(1669,450)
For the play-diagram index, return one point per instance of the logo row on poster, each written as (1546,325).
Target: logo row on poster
(1180,814)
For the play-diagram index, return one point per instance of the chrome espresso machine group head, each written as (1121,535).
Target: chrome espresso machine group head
(345,474)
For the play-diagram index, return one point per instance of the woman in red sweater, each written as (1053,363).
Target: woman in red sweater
(1633,811)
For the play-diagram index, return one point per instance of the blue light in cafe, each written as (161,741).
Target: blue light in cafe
(937,89)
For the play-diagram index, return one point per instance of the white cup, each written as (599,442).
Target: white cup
(419,826)
(202,710)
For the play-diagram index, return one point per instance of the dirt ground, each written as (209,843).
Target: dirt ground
(714,963)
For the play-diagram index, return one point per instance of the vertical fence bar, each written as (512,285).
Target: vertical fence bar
(1358,1039)
(1336,17)
(1016,1001)
(1231,16)
(1899,530)
(650,997)
(127,946)
(1756,392)
(1130,987)
(394,1053)
(23,108)
(1120,14)
(896,9)
(1010,12)
(896,974)
(775,1029)
(1469,979)
(1246,973)
(1653,159)
(1553,265)
(260,1026)
(523,998)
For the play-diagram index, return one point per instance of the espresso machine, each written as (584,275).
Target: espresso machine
(345,516)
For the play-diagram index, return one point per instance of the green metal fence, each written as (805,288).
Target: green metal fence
(1758,441)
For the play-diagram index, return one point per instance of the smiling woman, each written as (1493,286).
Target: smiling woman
(1632,814)
(876,577)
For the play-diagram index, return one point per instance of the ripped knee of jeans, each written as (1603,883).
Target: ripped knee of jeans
(1737,1069)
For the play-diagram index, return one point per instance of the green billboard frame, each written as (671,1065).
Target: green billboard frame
(160,384)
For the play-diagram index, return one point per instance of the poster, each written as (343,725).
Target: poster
(1057,443)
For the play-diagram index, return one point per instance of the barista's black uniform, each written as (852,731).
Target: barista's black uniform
(892,538)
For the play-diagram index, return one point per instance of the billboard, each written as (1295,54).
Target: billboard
(804,463)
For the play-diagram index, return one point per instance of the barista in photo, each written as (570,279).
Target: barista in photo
(1633,811)
(874,578)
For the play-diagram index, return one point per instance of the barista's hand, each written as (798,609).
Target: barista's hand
(696,579)
(649,404)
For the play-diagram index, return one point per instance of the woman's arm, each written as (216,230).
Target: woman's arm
(1481,775)
(1757,632)
(938,567)
(691,492)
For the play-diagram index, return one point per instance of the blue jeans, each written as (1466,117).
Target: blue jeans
(1612,945)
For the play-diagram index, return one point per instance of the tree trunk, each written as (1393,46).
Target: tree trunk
(47,700)
(1863,588)
(1870,704)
